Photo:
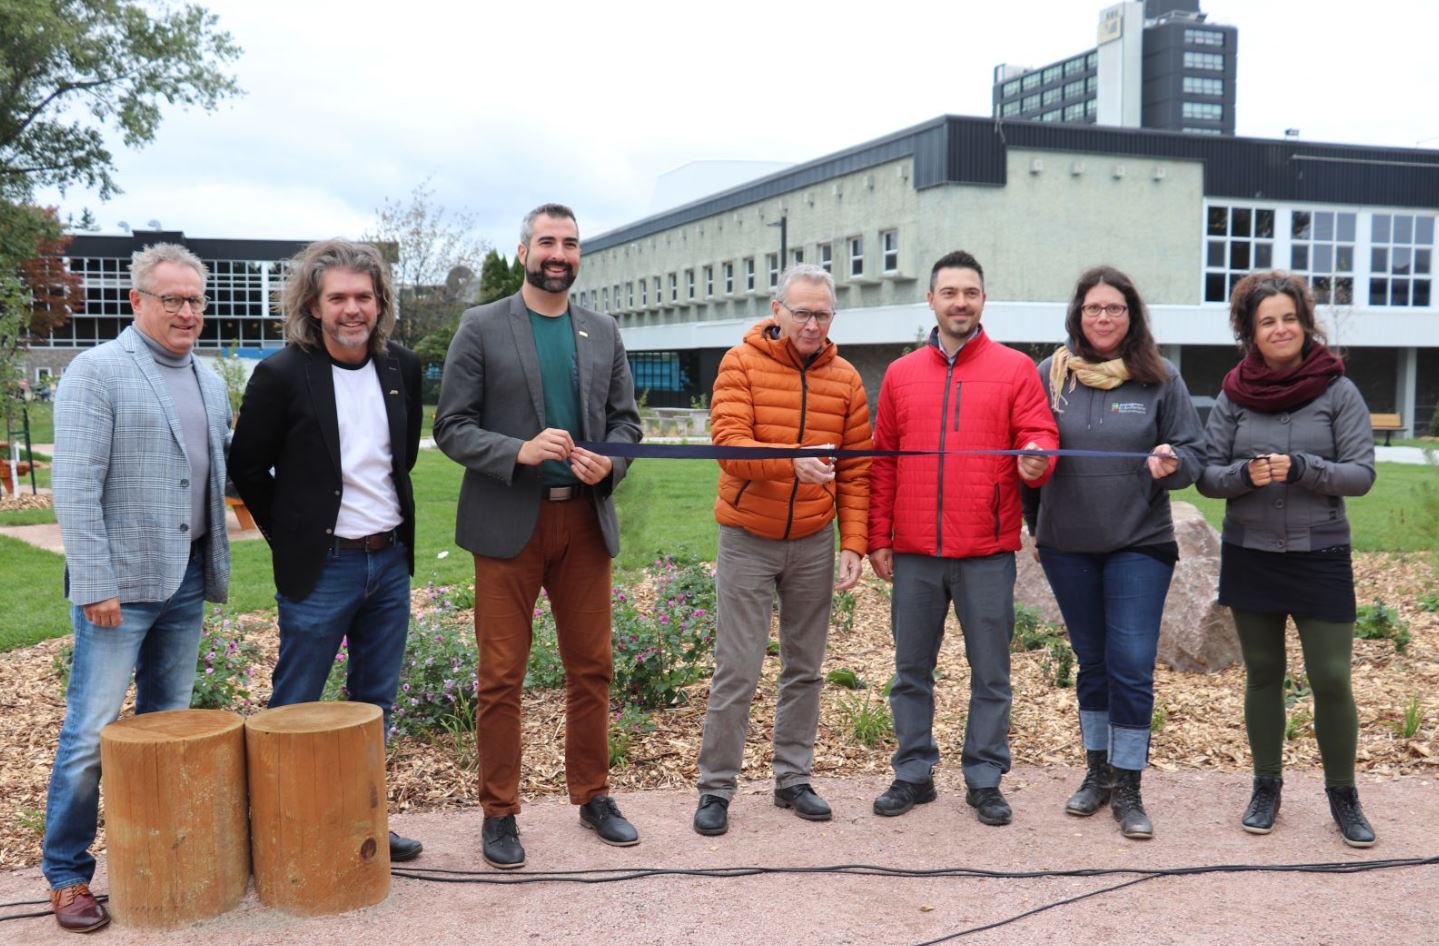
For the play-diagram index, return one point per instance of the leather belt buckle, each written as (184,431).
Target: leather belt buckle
(560,494)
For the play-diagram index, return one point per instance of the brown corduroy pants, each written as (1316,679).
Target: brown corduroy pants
(567,557)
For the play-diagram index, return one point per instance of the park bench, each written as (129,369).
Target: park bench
(1388,423)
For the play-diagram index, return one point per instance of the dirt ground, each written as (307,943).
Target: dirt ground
(1196,820)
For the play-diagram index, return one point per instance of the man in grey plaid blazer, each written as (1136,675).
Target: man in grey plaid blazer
(139,483)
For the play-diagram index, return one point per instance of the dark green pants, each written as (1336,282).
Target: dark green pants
(1328,646)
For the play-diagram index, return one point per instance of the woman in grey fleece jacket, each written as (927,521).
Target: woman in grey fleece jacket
(1103,528)
(1289,437)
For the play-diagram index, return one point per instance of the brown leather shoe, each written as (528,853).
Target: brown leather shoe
(77,910)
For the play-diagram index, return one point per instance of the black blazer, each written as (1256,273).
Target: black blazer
(285,456)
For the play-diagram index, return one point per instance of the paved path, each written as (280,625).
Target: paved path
(1195,815)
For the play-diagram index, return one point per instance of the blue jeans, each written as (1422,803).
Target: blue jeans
(361,596)
(158,641)
(1112,604)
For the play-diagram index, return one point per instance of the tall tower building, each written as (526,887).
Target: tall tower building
(1156,64)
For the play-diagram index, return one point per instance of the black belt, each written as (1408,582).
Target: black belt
(560,494)
(370,543)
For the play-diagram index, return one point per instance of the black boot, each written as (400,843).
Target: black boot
(1128,806)
(1094,790)
(1344,805)
(1263,804)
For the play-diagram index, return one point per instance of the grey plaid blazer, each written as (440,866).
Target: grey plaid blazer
(121,477)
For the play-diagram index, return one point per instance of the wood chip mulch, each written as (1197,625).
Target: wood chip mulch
(1202,729)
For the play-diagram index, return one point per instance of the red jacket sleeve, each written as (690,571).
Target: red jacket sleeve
(883,471)
(1032,421)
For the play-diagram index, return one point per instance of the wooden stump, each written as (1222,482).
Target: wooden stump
(175,818)
(318,822)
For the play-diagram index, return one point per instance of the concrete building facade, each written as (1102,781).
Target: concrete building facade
(1184,215)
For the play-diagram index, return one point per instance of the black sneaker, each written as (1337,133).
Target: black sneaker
(501,847)
(1263,804)
(1344,806)
(989,805)
(805,802)
(602,816)
(901,796)
(712,816)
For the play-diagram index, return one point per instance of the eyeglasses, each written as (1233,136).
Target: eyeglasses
(1114,309)
(820,316)
(173,304)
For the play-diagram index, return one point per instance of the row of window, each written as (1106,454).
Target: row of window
(1203,111)
(1196,85)
(1324,245)
(1212,62)
(635,294)
(1060,70)
(1203,38)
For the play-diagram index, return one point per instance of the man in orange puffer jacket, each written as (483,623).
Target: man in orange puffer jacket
(784,386)
(945,528)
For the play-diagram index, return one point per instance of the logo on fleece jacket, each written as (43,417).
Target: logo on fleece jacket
(1128,407)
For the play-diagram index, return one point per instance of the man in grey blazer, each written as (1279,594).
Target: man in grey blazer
(139,483)
(524,379)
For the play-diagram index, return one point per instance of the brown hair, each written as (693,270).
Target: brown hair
(1138,349)
(1253,289)
(307,273)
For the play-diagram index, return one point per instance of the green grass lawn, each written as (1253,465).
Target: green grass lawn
(42,426)
(664,507)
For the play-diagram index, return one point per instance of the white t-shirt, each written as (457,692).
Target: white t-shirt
(369,503)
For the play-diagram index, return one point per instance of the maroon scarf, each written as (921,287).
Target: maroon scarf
(1254,385)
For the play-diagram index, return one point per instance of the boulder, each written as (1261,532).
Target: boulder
(1197,633)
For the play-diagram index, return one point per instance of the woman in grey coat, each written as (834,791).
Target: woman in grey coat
(1103,528)
(1288,439)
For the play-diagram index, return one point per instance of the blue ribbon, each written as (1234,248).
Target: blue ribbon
(688,451)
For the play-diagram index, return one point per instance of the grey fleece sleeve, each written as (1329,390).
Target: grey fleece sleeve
(1223,474)
(1351,472)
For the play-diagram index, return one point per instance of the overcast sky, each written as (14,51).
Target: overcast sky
(505,106)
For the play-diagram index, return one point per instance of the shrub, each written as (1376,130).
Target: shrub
(438,681)
(1378,621)
(222,672)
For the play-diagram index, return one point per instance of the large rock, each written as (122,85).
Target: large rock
(1197,633)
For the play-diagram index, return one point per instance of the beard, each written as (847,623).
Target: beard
(548,282)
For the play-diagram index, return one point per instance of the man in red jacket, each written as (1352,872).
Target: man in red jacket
(944,528)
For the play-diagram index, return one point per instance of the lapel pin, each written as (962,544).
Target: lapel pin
(582,334)
(393,391)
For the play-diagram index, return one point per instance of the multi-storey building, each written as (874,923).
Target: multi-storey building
(1158,64)
(1184,215)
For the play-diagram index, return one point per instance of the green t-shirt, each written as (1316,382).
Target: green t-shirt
(560,382)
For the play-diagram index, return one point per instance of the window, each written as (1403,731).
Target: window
(1322,246)
(689,284)
(1053,74)
(1052,96)
(1214,62)
(1074,90)
(1193,85)
(1091,85)
(1204,111)
(1091,106)
(1237,240)
(856,256)
(1401,260)
(581,300)
(630,291)
(889,249)
(1030,82)
(1092,60)
(1009,108)
(709,282)
(605,299)
(826,257)
(771,263)
(797,256)
(1073,66)
(1201,131)
(728,278)
(659,299)
(674,288)
(749,274)
(644,293)
(1203,38)
(1011,88)
(618,304)
(1031,103)
(1074,113)
(1053,116)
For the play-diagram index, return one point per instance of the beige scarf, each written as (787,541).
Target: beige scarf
(1104,376)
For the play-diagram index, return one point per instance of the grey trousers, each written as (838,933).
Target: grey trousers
(748,573)
(982,592)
